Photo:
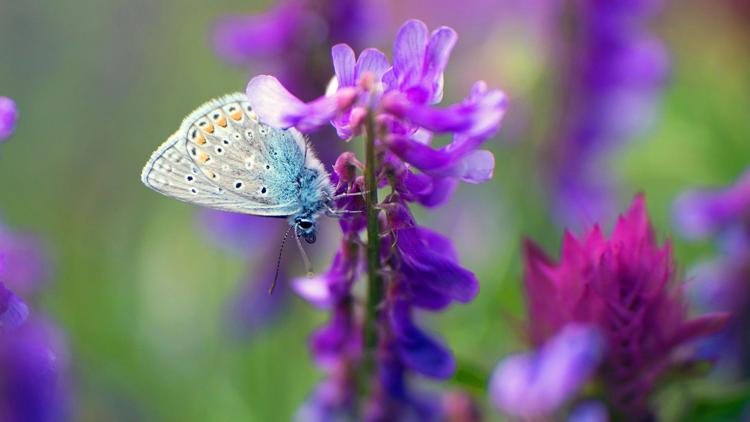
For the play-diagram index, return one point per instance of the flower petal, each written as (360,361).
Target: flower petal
(13,311)
(438,52)
(418,351)
(536,384)
(409,52)
(277,107)
(8,117)
(372,61)
(344,64)
(425,268)
(478,116)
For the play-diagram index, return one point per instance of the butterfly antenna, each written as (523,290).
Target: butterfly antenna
(278,261)
(305,259)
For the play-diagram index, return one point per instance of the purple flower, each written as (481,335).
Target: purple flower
(722,283)
(615,72)
(402,97)
(24,265)
(589,411)
(418,267)
(701,213)
(538,383)
(622,285)
(8,117)
(29,388)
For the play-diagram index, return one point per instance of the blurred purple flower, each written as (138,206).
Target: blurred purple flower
(30,385)
(622,286)
(613,74)
(420,268)
(8,117)
(537,384)
(24,265)
(589,411)
(722,284)
(723,212)
(288,40)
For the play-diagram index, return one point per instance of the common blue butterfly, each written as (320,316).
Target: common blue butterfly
(222,157)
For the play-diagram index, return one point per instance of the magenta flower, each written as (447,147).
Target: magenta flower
(8,117)
(622,285)
(535,385)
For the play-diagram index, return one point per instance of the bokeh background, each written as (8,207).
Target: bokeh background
(142,291)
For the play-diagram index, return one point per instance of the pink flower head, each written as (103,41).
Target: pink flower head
(623,286)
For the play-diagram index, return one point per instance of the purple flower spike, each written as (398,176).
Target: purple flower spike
(8,117)
(536,384)
(418,268)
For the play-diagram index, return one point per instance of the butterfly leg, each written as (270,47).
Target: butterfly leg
(349,195)
(340,213)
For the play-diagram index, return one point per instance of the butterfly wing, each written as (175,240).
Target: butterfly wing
(223,158)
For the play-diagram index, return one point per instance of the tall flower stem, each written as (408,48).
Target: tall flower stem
(374,282)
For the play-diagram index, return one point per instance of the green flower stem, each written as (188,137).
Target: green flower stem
(374,282)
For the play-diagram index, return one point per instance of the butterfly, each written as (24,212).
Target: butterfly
(223,157)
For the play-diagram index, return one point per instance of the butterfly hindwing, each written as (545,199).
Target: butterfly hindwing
(223,158)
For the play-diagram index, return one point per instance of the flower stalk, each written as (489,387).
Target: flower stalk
(374,280)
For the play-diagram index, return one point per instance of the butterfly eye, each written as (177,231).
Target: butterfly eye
(305,225)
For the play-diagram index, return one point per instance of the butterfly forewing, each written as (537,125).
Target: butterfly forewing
(222,157)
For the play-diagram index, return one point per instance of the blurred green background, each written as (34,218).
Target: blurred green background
(141,292)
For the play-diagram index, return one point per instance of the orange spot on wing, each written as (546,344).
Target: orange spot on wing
(202,157)
(237,115)
(222,121)
(208,128)
(201,140)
